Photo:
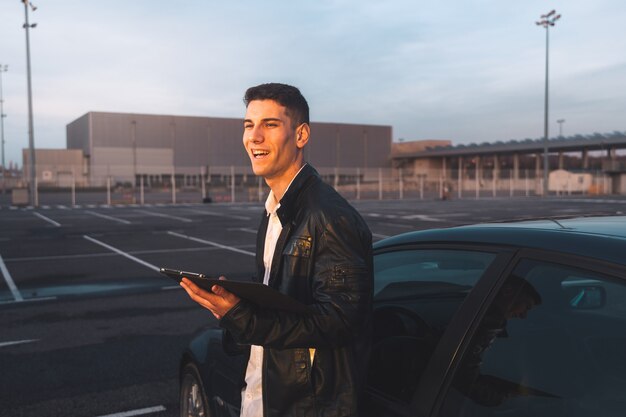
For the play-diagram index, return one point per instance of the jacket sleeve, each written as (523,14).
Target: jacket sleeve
(341,287)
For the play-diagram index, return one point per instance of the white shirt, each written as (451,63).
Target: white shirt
(252,394)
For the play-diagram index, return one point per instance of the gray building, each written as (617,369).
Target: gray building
(126,146)
(511,164)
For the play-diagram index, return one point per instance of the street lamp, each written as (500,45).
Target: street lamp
(546,21)
(560,122)
(31,133)
(3,68)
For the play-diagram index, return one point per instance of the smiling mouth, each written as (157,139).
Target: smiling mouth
(258,153)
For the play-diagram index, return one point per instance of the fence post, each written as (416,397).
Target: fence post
(421,187)
(108,190)
(173,179)
(36,191)
(73,188)
(510,184)
(440,187)
(203,183)
(569,187)
(380,183)
(526,181)
(141,201)
(358,183)
(400,184)
(477,187)
(232,183)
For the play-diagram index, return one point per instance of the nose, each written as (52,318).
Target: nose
(254,135)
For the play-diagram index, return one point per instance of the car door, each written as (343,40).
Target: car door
(550,342)
(418,291)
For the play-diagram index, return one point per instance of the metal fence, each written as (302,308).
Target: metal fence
(239,184)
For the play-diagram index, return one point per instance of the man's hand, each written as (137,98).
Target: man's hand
(218,302)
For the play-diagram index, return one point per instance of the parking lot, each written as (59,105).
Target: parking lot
(90,328)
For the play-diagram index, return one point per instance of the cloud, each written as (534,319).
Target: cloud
(468,70)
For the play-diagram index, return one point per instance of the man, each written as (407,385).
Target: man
(313,246)
(514,300)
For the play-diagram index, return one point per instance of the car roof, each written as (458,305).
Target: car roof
(596,237)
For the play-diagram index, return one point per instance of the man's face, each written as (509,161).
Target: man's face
(271,141)
(521,306)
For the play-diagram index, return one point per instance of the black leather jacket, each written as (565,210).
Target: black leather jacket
(323,258)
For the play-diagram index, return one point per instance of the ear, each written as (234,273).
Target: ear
(303,133)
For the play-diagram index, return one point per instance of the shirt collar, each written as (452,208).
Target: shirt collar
(271,205)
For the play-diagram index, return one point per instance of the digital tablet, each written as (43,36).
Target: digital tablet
(255,292)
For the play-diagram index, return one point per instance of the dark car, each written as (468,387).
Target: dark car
(508,319)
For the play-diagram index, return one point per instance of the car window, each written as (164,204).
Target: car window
(416,294)
(551,343)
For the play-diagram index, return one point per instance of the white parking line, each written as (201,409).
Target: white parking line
(104,216)
(7,277)
(170,287)
(404,226)
(104,254)
(211,213)
(124,254)
(208,242)
(138,412)
(17,342)
(379,235)
(28,300)
(150,213)
(243,229)
(47,219)
(422,217)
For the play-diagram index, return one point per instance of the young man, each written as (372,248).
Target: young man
(313,246)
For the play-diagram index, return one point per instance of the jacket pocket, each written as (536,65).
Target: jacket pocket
(297,256)
(299,246)
(347,277)
(302,366)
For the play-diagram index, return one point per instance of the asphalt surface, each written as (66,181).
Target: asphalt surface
(90,328)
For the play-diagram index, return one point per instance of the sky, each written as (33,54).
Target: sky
(461,70)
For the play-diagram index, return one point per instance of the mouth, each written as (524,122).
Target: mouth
(259,153)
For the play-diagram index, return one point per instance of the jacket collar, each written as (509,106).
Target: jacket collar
(287,209)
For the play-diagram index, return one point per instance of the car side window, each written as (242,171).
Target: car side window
(416,294)
(551,343)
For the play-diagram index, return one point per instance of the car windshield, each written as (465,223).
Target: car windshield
(427,273)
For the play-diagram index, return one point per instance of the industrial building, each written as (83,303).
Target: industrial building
(515,164)
(113,149)
(128,148)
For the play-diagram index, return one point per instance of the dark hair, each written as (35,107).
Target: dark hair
(515,285)
(286,95)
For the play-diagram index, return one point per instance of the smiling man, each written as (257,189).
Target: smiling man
(313,246)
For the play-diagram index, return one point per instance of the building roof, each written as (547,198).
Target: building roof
(575,143)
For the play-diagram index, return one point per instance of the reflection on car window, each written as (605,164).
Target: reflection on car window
(416,294)
(551,343)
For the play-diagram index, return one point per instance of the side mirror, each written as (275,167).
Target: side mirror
(585,297)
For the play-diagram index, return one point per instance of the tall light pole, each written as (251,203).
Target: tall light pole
(560,122)
(31,132)
(546,21)
(3,68)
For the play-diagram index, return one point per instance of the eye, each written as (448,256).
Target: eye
(247,125)
(271,124)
